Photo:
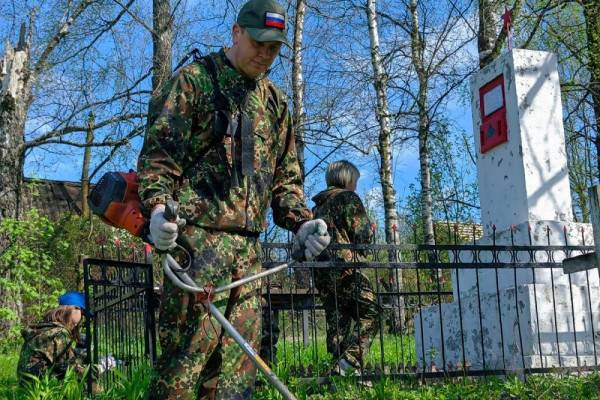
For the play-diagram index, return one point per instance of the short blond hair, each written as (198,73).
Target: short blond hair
(342,174)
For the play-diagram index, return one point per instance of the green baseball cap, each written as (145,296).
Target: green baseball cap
(265,21)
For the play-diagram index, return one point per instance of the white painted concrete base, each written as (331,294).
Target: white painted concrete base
(542,337)
(542,233)
(538,322)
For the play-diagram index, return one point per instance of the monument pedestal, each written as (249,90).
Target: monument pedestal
(530,326)
(512,318)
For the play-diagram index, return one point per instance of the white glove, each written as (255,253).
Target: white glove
(106,363)
(162,232)
(312,237)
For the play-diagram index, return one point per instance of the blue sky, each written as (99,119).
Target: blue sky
(406,162)
(64,163)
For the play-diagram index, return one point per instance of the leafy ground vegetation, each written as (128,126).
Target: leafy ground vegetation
(134,387)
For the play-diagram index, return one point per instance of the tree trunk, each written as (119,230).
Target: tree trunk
(385,154)
(14,73)
(85,170)
(591,11)
(487,31)
(298,82)
(417,51)
(385,151)
(162,40)
(14,100)
(488,42)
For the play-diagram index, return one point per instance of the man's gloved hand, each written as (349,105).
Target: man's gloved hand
(162,232)
(312,237)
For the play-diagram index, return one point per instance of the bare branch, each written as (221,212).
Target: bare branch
(60,35)
(135,17)
(48,136)
(109,25)
(106,143)
(538,22)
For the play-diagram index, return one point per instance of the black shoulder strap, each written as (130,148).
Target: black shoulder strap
(220,101)
(194,52)
(222,113)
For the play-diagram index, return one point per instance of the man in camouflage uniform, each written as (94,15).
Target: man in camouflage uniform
(219,141)
(347,294)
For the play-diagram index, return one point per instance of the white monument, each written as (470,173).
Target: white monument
(530,318)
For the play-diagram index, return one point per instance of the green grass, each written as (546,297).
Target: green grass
(539,387)
(122,387)
(536,388)
(399,351)
(8,374)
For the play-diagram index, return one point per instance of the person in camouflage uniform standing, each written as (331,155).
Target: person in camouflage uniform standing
(49,347)
(219,141)
(347,294)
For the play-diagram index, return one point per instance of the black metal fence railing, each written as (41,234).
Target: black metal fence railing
(447,310)
(120,329)
(444,310)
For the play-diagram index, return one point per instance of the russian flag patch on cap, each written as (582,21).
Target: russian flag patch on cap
(274,20)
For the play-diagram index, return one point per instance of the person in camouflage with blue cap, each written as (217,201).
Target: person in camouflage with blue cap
(219,141)
(351,307)
(49,346)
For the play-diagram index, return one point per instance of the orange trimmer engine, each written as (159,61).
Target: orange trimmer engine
(115,199)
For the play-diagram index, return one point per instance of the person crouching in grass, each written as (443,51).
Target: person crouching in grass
(49,346)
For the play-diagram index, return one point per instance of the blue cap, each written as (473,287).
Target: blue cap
(76,299)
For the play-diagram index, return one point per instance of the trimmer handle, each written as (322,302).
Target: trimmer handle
(171,210)
(298,255)
(171,214)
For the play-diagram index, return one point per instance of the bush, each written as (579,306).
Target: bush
(92,238)
(28,284)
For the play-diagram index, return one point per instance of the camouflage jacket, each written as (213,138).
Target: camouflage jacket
(48,347)
(182,158)
(346,218)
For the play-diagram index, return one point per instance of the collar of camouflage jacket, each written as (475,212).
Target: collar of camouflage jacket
(34,330)
(328,194)
(234,85)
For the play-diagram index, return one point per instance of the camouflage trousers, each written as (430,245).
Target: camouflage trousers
(351,313)
(199,360)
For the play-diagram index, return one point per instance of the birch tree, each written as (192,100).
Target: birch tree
(385,158)
(298,81)
(489,42)
(418,61)
(383,118)
(13,109)
(591,11)
(162,40)
(438,65)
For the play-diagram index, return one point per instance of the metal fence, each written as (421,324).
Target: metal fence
(447,310)
(120,329)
